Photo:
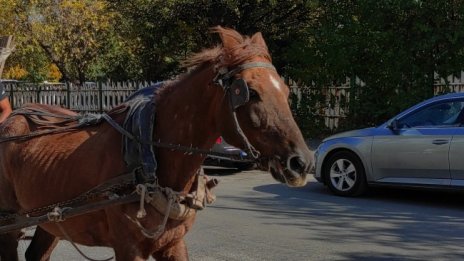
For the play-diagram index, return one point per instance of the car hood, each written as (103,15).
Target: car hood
(353,133)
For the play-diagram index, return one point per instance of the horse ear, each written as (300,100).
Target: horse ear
(229,37)
(257,38)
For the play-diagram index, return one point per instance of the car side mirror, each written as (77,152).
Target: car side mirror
(394,125)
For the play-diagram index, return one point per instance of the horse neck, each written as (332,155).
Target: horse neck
(186,116)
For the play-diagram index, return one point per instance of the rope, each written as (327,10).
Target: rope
(57,216)
(67,237)
(142,191)
(161,228)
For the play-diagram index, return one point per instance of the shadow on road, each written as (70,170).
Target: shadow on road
(220,171)
(405,219)
(431,198)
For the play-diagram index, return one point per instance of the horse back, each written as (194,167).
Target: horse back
(32,117)
(66,164)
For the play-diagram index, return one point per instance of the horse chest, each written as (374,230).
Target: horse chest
(176,232)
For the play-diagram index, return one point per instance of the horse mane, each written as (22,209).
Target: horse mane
(231,56)
(220,56)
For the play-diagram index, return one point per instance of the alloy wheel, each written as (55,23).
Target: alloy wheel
(343,174)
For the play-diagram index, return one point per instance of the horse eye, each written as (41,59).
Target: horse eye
(253,94)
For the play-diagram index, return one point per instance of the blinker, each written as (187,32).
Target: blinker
(239,93)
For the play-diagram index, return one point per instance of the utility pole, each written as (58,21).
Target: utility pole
(6,48)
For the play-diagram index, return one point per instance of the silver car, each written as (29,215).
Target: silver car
(420,147)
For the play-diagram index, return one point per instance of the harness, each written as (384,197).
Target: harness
(139,122)
(137,132)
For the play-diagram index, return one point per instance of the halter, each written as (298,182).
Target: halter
(239,94)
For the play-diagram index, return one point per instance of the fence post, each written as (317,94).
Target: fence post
(100,96)
(11,95)
(68,95)
(39,88)
(353,92)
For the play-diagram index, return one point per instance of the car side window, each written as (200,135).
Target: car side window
(443,114)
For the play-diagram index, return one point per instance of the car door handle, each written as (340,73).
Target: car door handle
(440,142)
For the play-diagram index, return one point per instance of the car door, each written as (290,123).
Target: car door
(456,158)
(418,151)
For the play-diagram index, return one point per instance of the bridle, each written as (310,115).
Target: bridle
(239,94)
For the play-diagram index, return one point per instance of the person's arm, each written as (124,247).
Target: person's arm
(5,109)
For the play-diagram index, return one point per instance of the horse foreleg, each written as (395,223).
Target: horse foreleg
(41,246)
(9,246)
(175,252)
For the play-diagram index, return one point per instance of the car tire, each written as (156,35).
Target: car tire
(243,166)
(344,174)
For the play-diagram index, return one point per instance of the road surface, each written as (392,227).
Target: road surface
(255,218)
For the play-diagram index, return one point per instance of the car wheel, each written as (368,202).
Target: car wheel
(344,174)
(243,166)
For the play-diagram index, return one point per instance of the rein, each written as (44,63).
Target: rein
(160,198)
(238,92)
(93,119)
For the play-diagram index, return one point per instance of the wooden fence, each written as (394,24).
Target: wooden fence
(102,96)
(335,102)
(90,97)
(337,97)
(450,84)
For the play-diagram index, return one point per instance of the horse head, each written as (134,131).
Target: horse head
(257,103)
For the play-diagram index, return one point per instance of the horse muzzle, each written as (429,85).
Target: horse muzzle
(291,171)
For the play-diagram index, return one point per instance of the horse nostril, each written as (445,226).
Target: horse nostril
(297,164)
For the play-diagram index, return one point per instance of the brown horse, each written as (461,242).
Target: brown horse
(201,105)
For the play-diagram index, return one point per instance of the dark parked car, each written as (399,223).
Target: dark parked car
(420,147)
(225,162)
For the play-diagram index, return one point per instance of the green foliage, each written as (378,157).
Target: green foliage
(157,35)
(71,34)
(393,46)
(32,60)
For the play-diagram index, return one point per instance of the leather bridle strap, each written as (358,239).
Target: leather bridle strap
(222,80)
(250,149)
(245,66)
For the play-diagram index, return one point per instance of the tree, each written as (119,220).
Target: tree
(159,34)
(71,33)
(395,47)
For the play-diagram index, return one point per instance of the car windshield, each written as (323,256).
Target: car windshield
(441,114)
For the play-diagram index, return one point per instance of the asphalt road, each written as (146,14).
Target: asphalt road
(254,218)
